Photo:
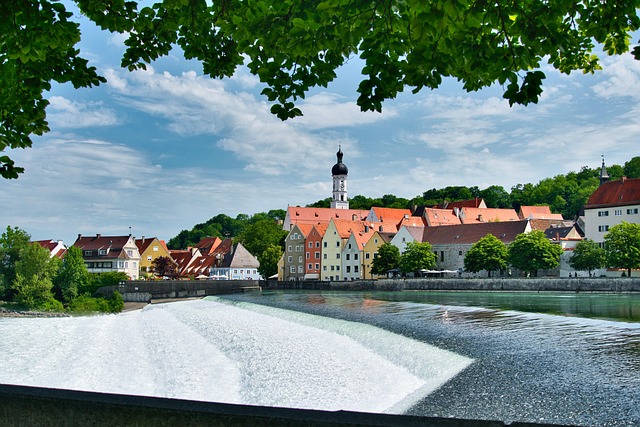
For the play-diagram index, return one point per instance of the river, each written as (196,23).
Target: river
(553,358)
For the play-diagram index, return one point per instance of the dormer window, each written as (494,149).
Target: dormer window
(88,253)
(102,252)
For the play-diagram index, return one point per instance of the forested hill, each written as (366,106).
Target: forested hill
(565,194)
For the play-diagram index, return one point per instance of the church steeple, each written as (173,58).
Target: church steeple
(604,175)
(339,173)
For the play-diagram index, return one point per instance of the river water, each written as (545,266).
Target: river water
(553,358)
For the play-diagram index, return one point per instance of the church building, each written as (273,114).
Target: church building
(339,173)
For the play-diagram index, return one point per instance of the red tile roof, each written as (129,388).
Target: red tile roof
(477,215)
(537,212)
(621,192)
(436,217)
(304,215)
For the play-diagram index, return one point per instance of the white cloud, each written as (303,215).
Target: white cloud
(622,78)
(64,113)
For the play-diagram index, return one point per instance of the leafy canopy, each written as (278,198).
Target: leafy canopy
(293,46)
(417,256)
(622,245)
(533,251)
(489,253)
(387,258)
(587,255)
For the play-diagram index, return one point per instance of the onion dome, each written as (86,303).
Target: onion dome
(339,168)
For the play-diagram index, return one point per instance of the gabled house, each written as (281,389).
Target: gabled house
(313,252)
(406,235)
(151,248)
(480,215)
(238,264)
(611,203)
(333,241)
(185,259)
(437,217)
(110,253)
(451,243)
(567,237)
(208,245)
(55,247)
(537,212)
(370,250)
(294,252)
(352,253)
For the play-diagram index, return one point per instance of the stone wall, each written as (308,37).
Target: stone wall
(579,284)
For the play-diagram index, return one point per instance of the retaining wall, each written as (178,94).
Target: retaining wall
(579,284)
(34,407)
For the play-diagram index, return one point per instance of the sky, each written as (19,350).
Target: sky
(154,152)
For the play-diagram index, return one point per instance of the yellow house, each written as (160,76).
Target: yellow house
(151,248)
(371,249)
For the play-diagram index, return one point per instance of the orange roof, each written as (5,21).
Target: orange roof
(435,217)
(391,214)
(321,228)
(413,221)
(304,215)
(537,212)
(621,192)
(208,244)
(479,215)
(305,229)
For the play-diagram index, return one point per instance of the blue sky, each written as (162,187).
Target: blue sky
(158,151)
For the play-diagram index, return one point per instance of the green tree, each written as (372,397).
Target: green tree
(269,259)
(73,275)
(417,256)
(295,46)
(587,255)
(258,236)
(387,258)
(532,251)
(34,274)
(496,196)
(632,168)
(12,243)
(489,253)
(622,246)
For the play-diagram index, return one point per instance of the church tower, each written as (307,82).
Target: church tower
(339,173)
(604,175)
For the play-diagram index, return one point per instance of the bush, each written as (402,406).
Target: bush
(116,302)
(50,305)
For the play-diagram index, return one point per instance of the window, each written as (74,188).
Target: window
(355,256)
(290,258)
(355,269)
(348,257)
(292,269)
(300,258)
(349,245)
(88,253)
(324,268)
(603,213)
(317,255)
(103,252)
(337,244)
(324,244)
(459,252)
(632,211)
(333,267)
(337,256)
(290,248)
(375,240)
(337,267)
(441,256)
(309,266)
(129,252)
(317,244)
(308,255)
(155,249)
(603,228)
(317,266)
(366,255)
(404,240)
(348,269)
(149,258)
(310,244)
(617,212)
(324,256)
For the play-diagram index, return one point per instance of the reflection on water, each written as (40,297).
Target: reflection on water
(539,357)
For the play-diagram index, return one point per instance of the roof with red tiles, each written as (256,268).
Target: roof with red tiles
(305,215)
(543,224)
(468,234)
(537,212)
(392,215)
(208,244)
(436,217)
(412,221)
(113,244)
(478,215)
(621,192)
(55,247)
(472,203)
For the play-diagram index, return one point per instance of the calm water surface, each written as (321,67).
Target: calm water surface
(538,357)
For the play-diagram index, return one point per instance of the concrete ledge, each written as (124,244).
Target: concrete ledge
(34,406)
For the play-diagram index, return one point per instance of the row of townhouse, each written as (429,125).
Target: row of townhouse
(212,258)
(344,248)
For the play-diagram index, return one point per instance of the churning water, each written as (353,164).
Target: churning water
(420,354)
(227,352)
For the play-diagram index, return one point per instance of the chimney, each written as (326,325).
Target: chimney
(97,236)
(380,229)
(366,228)
(480,218)
(623,179)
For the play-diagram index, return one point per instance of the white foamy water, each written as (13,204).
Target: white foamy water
(212,350)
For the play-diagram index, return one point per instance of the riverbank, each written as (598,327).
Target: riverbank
(6,312)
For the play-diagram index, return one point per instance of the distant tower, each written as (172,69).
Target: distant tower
(339,173)
(604,175)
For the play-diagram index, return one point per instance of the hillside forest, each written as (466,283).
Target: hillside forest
(565,194)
